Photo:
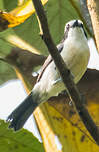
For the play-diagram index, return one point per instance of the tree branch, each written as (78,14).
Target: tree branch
(93,7)
(73,92)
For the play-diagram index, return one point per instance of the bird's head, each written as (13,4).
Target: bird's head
(74,28)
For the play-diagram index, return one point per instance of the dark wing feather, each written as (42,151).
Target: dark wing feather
(48,61)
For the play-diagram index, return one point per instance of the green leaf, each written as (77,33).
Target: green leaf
(27,33)
(6,72)
(58,13)
(17,142)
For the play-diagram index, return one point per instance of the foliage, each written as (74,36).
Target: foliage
(20,141)
(26,35)
(20,43)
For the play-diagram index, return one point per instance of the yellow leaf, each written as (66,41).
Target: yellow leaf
(53,125)
(20,2)
(18,15)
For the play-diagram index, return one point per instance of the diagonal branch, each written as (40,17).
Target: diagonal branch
(93,7)
(73,92)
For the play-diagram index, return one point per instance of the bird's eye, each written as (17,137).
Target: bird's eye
(68,26)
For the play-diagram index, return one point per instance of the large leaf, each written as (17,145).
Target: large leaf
(6,72)
(13,35)
(63,121)
(18,15)
(70,136)
(58,12)
(17,142)
(26,35)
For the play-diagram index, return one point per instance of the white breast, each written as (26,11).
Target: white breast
(76,55)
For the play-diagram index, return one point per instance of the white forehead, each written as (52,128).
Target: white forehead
(71,23)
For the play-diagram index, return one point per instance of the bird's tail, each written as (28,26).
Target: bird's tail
(19,116)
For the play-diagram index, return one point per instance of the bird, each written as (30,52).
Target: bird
(74,50)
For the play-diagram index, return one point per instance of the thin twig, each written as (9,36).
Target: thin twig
(74,93)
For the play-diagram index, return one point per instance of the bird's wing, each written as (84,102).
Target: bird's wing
(48,61)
